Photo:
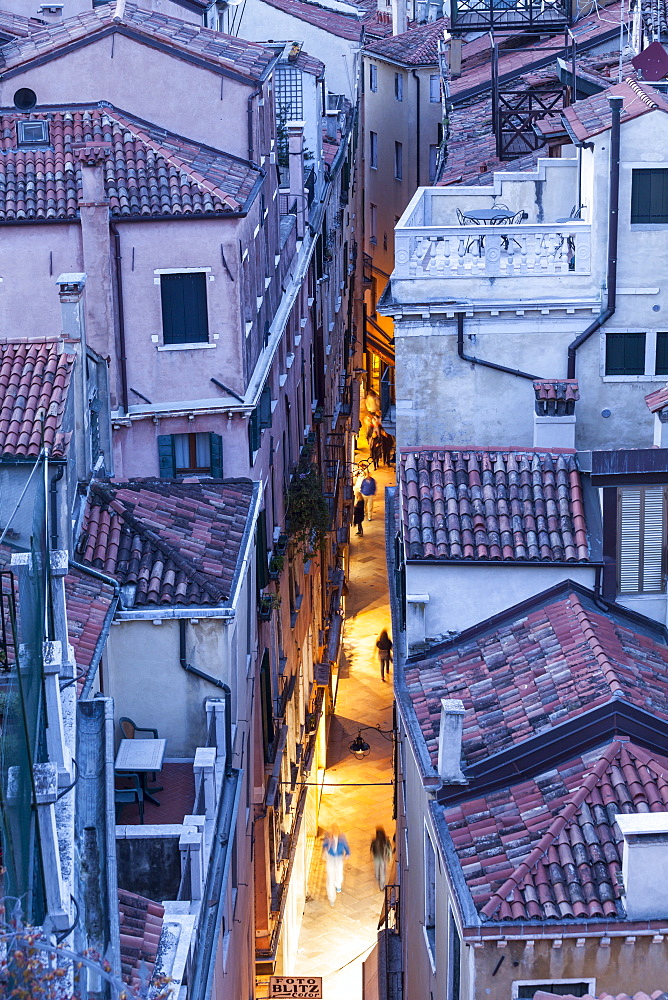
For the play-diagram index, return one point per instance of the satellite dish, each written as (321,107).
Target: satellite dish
(25,99)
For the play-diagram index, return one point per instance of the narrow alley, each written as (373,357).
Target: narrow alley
(358,794)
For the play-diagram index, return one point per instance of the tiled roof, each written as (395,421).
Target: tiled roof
(90,608)
(555,397)
(148,171)
(141,926)
(490,504)
(548,848)
(416,47)
(246,59)
(335,21)
(17,26)
(526,671)
(175,542)
(593,115)
(34,379)
(657,400)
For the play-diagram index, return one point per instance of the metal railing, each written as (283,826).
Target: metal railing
(527,15)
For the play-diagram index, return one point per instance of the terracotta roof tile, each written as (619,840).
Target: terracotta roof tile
(528,671)
(656,995)
(34,380)
(140,929)
(548,847)
(591,116)
(90,607)
(487,504)
(249,59)
(416,47)
(556,397)
(174,542)
(657,400)
(147,170)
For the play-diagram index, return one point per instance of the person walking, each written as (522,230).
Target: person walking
(368,491)
(358,515)
(387,447)
(384,646)
(335,850)
(381,849)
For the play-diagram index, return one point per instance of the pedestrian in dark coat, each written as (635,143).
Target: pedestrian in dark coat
(358,515)
(384,645)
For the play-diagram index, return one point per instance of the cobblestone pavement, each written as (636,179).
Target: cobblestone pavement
(334,941)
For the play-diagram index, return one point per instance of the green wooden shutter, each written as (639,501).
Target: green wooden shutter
(625,354)
(184,313)
(661,354)
(261,550)
(649,196)
(253,433)
(216,456)
(166,456)
(265,408)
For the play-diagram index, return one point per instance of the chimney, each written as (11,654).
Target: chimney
(51,12)
(554,416)
(450,741)
(97,258)
(644,864)
(296,154)
(399,19)
(72,314)
(416,621)
(657,403)
(332,125)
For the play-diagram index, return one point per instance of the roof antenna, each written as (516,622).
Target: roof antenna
(119,12)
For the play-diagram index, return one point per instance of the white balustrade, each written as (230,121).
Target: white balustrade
(493,251)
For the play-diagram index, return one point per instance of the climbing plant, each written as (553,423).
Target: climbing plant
(307,510)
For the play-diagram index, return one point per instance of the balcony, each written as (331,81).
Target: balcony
(500,251)
(492,243)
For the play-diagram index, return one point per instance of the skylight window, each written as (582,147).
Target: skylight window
(33,133)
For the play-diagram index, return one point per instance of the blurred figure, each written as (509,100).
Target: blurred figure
(384,646)
(334,849)
(381,849)
(387,447)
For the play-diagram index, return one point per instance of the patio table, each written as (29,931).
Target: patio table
(140,757)
(488,216)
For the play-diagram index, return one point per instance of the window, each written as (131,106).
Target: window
(398,161)
(430,897)
(433,160)
(661,364)
(289,96)
(32,133)
(184,314)
(454,959)
(641,535)
(625,354)
(566,987)
(649,196)
(190,454)
(373,222)
(373,78)
(434,88)
(399,86)
(259,420)
(373,149)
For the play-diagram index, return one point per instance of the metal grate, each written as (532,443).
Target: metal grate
(289,99)
(516,113)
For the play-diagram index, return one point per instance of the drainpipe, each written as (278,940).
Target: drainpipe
(485,364)
(613,231)
(54,506)
(121,316)
(219,684)
(417,130)
(251,147)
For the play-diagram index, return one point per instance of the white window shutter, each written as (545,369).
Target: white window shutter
(652,533)
(630,502)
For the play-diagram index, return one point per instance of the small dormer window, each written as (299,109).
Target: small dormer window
(33,133)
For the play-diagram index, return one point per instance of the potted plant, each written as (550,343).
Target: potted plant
(266,606)
(318,414)
(307,508)
(276,564)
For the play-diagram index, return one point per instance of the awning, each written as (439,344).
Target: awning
(378,341)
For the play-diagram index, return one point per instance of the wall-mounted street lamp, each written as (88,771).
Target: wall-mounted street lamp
(360,748)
